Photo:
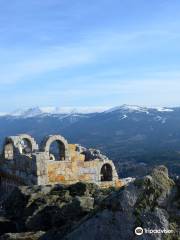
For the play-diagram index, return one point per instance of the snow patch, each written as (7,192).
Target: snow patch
(163,109)
(123,117)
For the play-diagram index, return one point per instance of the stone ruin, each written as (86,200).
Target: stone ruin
(23,162)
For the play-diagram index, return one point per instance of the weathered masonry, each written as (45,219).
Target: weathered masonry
(23,162)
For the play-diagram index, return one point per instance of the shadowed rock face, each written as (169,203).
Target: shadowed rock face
(6,225)
(83,211)
(44,207)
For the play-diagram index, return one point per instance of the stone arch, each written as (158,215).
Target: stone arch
(62,147)
(27,144)
(106,172)
(21,144)
(8,149)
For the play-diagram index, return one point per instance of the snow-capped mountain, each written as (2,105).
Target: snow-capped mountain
(134,108)
(48,111)
(30,112)
(127,108)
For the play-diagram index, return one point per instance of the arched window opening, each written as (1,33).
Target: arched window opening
(106,172)
(8,151)
(26,146)
(57,151)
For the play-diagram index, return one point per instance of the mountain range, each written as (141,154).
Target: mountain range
(132,136)
(45,111)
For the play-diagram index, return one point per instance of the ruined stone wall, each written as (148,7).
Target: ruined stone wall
(22,170)
(78,169)
(22,163)
(18,167)
(66,171)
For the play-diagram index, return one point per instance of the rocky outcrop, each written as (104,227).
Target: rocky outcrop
(23,236)
(44,207)
(83,211)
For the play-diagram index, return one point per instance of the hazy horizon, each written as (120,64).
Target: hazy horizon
(89,53)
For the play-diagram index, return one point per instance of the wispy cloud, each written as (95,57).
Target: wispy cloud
(54,58)
(90,50)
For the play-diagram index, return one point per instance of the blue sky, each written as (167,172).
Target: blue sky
(89,53)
